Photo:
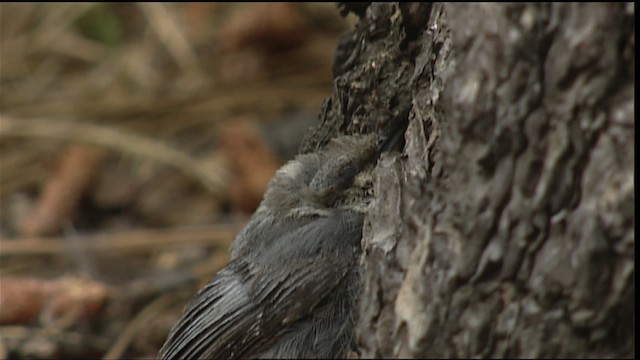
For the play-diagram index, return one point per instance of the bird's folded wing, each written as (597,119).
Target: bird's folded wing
(247,306)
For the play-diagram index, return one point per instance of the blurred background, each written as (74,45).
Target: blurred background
(135,140)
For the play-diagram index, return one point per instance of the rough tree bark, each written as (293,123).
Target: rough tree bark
(506,228)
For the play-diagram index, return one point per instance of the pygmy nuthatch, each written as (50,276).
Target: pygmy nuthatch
(291,286)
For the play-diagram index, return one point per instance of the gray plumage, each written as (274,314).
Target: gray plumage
(290,287)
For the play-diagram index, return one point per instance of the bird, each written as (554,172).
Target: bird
(291,286)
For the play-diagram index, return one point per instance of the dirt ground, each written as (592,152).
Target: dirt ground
(135,140)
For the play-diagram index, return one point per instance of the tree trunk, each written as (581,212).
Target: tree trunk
(506,228)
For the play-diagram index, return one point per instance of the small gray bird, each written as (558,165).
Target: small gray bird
(290,288)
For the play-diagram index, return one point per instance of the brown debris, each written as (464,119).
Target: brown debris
(268,27)
(3,352)
(21,299)
(71,178)
(255,32)
(253,161)
(71,300)
(59,303)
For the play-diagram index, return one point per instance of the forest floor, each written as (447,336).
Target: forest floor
(135,140)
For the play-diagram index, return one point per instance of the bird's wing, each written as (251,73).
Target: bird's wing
(248,305)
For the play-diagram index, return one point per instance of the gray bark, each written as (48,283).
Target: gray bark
(506,229)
